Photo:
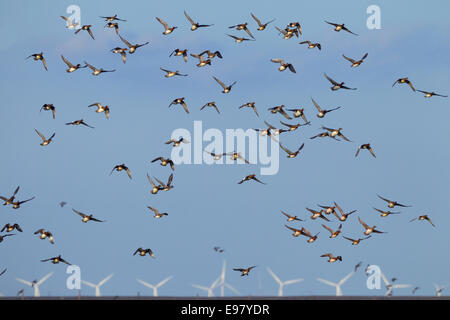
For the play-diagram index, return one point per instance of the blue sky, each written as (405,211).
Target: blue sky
(207,207)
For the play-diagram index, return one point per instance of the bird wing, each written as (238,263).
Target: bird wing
(316,105)
(129,45)
(79,213)
(189,18)
(256,19)
(349,59)
(66,61)
(328,228)
(220,82)
(363,223)
(286,149)
(90,33)
(329,79)
(166,26)
(40,135)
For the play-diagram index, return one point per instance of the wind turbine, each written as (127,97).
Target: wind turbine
(97,286)
(210,289)
(282,284)
(438,290)
(155,288)
(337,285)
(224,284)
(35,284)
(390,286)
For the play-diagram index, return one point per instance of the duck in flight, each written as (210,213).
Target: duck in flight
(242,26)
(337,86)
(165,162)
(113,18)
(122,51)
(177,143)
(132,48)
(250,177)
(69,23)
(355,241)
(250,105)
(78,122)
(226,89)
(368,230)
(355,63)
(10,200)
(172,73)
(196,25)
(96,71)
(322,112)
(239,40)
(179,52)
(37,57)
(48,107)
(283,66)
(391,203)
(312,45)
(17,204)
(336,132)
(100,108)
(181,102)
(167,29)
(404,80)
(45,234)
(365,146)
(44,140)
(244,272)
(339,27)
(429,94)
(157,213)
(290,153)
(423,218)
(56,260)
(261,26)
(385,213)
(317,214)
(114,25)
(211,104)
(71,66)
(87,28)
(289,217)
(331,257)
(343,216)
(85,217)
(143,252)
(121,167)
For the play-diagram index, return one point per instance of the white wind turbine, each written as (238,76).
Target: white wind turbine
(438,290)
(282,284)
(210,289)
(390,286)
(35,284)
(155,287)
(337,285)
(97,286)
(222,283)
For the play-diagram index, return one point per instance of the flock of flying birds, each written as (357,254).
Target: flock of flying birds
(292,29)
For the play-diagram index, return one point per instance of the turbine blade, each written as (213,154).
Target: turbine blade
(104,280)
(342,281)
(274,276)
(163,282)
(44,278)
(328,282)
(148,285)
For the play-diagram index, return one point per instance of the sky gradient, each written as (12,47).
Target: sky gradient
(207,207)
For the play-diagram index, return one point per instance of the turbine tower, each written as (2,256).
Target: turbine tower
(210,289)
(282,284)
(337,285)
(222,283)
(35,284)
(438,290)
(390,286)
(155,288)
(97,286)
